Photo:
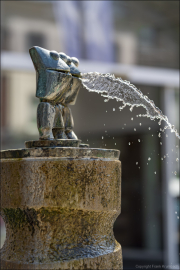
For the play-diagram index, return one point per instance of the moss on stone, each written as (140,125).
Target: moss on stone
(17,218)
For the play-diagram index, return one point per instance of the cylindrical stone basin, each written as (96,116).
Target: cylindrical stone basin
(59,206)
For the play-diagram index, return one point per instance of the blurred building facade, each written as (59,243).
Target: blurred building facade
(145,51)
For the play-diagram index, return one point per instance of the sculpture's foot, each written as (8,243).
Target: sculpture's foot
(59,133)
(44,134)
(71,135)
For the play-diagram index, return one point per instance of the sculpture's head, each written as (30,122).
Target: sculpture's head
(52,60)
(58,76)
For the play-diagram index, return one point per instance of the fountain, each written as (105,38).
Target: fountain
(59,197)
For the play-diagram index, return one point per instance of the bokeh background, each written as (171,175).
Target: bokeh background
(137,41)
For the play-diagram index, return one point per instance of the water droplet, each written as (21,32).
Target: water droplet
(105,131)
(176,213)
(129,143)
(147,163)
(131,109)
(149,158)
(166,135)
(140,124)
(139,140)
(106,111)
(139,167)
(175,173)
(177,146)
(164,156)
(149,128)
(102,137)
(132,119)
(113,138)
(159,123)
(136,163)
(177,159)
(114,109)
(124,124)
(154,172)
(134,129)
(106,100)
(87,140)
(177,217)
(152,135)
(160,143)
(159,135)
(161,158)
(104,124)
(115,143)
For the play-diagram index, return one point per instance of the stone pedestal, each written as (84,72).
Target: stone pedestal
(59,205)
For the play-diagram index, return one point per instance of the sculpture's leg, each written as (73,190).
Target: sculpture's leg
(45,118)
(58,127)
(69,123)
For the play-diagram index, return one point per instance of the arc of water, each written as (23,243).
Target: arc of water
(116,88)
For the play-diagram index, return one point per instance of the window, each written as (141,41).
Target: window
(35,39)
(4,39)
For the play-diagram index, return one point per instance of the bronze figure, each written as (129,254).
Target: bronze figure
(58,84)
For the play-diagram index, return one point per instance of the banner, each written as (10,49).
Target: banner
(98,30)
(87,28)
(68,17)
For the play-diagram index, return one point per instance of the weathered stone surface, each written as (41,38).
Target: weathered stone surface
(63,152)
(111,261)
(59,211)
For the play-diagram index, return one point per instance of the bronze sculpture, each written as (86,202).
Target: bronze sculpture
(58,85)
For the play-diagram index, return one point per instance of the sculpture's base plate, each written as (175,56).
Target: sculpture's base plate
(53,143)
